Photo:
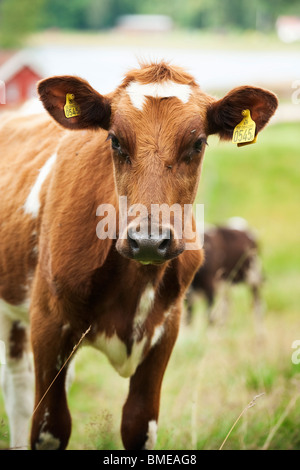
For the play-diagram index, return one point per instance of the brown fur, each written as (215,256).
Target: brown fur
(77,280)
(230,255)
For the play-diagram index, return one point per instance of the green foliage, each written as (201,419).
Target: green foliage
(87,14)
(245,181)
(18,18)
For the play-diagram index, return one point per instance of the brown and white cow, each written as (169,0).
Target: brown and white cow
(231,256)
(145,141)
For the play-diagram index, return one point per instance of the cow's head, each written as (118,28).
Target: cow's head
(158,122)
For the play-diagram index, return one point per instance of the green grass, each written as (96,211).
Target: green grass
(259,182)
(214,372)
(179,38)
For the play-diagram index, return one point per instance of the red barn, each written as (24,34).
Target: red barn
(18,78)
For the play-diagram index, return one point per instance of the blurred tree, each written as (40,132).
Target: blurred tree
(18,18)
(86,14)
(104,13)
(219,14)
(64,14)
(99,14)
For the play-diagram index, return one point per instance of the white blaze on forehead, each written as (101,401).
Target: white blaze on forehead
(32,204)
(167,89)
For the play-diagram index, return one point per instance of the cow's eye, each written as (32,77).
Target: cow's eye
(198,146)
(116,146)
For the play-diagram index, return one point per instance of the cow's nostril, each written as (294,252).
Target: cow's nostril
(132,243)
(164,245)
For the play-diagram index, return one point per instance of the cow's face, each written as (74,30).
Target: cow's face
(158,136)
(158,122)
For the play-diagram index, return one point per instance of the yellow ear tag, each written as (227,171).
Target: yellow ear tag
(244,132)
(71,108)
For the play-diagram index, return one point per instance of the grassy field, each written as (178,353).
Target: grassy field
(190,39)
(215,372)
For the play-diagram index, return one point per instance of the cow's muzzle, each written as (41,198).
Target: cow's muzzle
(150,248)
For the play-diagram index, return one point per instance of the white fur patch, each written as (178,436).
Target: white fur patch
(47,442)
(151,435)
(237,223)
(2,353)
(116,352)
(33,203)
(144,308)
(254,273)
(18,389)
(17,381)
(167,89)
(158,333)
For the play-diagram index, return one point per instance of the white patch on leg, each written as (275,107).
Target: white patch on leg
(33,203)
(157,335)
(47,442)
(17,380)
(151,435)
(2,353)
(144,307)
(254,275)
(167,89)
(18,388)
(159,330)
(70,377)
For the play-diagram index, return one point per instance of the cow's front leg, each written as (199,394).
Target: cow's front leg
(16,378)
(52,343)
(140,412)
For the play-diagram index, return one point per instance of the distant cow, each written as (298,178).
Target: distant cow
(231,254)
(117,285)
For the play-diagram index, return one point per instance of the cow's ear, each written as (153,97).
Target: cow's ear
(74,104)
(223,115)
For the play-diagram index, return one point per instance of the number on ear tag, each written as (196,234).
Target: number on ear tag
(244,132)
(71,108)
